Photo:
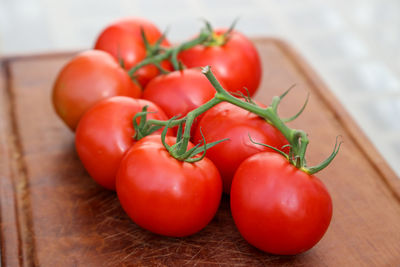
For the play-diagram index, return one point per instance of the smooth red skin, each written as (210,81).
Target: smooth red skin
(123,39)
(89,77)
(106,132)
(237,63)
(228,121)
(164,195)
(278,208)
(180,91)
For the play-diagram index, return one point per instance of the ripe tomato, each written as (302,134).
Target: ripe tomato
(180,91)
(88,78)
(164,195)
(236,63)
(228,121)
(105,132)
(277,207)
(123,40)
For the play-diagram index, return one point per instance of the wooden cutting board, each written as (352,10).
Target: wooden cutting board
(53,214)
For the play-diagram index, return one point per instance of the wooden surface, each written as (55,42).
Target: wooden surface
(53,214)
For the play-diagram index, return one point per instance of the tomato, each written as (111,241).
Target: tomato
(88,78)
(106,132)
(123,40)
(277,207)
(236,63)
(164,195)
(180,91)
(228,121)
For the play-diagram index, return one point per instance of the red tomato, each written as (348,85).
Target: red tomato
(236,63)
(88,78)
(123,39)
(105,132)
(164,195)
(277,207)
(180,91)
(228,121)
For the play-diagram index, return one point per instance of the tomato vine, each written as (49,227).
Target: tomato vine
(171,53)
(297,139)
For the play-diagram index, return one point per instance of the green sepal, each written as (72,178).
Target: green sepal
(146,42)
(247,98)
(276,100)
(226,34)
(143,129)
(192,158)
(153,128)
(188,153)
(207,24)
(161,69)
(298,113)
(139,133)
(287,91)
(181,66)
(157,44)
(271,147)
(179,133)
(164,134)
(177,145)
(120,60)
(143,116)
(285,146)
(197,149)
(203,148)
(326,162)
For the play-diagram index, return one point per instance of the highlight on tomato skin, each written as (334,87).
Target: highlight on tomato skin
(234,61)
(164,195)
(86,79)
(106,132)
(289,210)
(180,91)
(123,40)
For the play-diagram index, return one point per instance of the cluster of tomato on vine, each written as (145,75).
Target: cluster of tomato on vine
(172,127)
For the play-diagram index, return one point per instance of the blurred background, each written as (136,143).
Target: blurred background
(353,44)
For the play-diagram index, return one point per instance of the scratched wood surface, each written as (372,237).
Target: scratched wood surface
(53,214)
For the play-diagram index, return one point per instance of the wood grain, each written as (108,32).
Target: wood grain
(53,214)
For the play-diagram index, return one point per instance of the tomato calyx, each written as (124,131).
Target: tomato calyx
(155,49)
(156,53)
(152,55)
(120,59)
(296,160)
(327,161)
(180,149)
(142,129)
(246,98)
(219,39)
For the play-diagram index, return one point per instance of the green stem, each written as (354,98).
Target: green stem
(297,139)
(269,114)
(149,60)
(172,52)
(164,123)
(292,135)
(190,118)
